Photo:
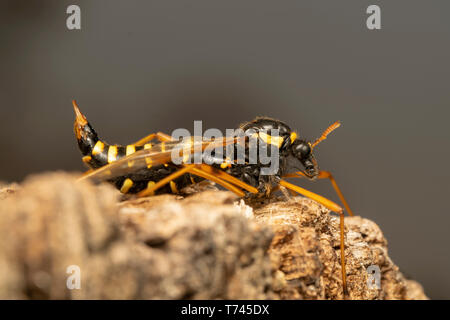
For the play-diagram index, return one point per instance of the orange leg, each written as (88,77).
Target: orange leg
(152,188)
(287,192)
(193,169)
(225,176)
(159,136)
(333,207)
(325,175)
(209,176)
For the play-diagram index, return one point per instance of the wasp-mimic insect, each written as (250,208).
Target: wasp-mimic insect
(146,168)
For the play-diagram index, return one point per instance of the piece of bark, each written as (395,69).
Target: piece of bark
(307,252)
(209,245)
(154,248)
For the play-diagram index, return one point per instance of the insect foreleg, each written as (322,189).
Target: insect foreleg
(333,207)
(325,175)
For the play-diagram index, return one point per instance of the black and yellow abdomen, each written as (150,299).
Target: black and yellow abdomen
(97,153)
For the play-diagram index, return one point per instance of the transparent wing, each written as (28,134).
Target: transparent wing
(161,153)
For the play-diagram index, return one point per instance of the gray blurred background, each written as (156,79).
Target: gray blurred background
(137,67)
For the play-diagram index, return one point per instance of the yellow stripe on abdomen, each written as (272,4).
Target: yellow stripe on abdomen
(98,148)
(112,154)
(130,149)
(148,160)
(127,184)
(149,185)
(173,187)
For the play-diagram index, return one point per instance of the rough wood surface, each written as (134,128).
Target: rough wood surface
(209,245)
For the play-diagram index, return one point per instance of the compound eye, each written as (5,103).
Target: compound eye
(303,150)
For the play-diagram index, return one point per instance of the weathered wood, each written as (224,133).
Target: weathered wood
(206,246)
